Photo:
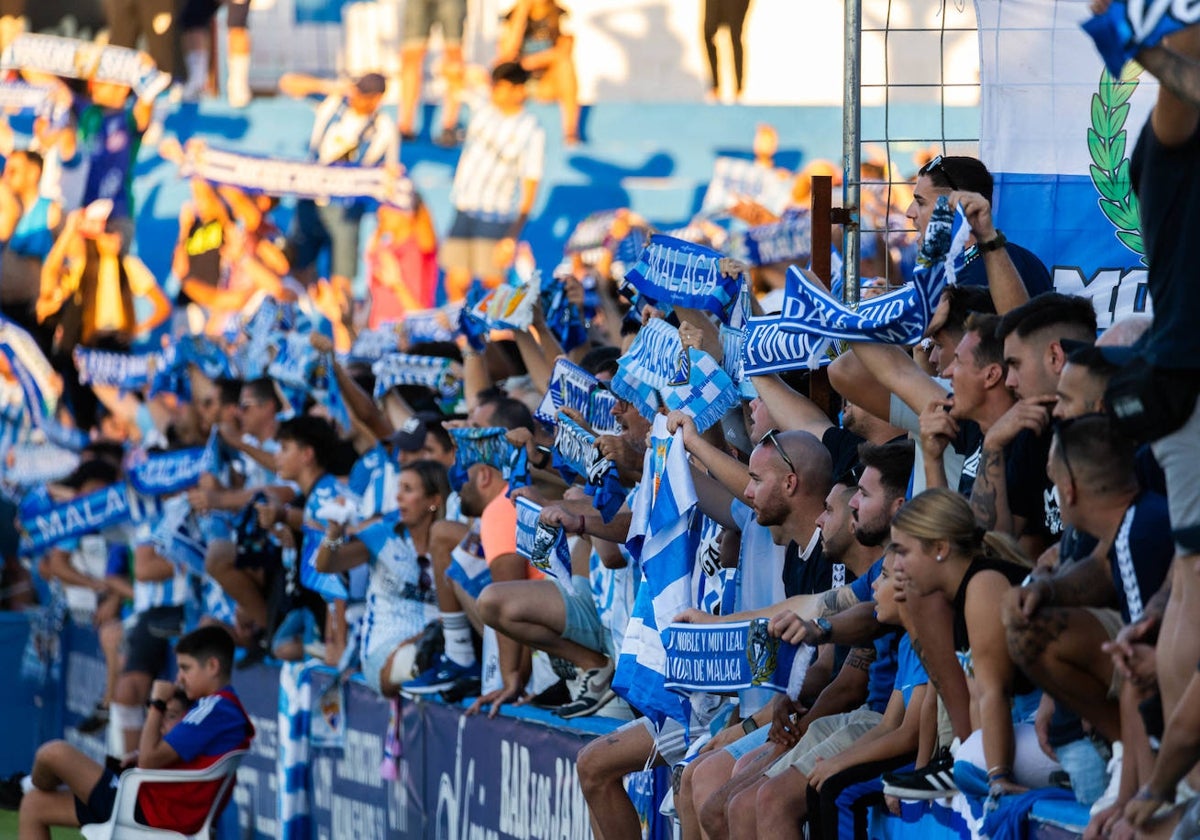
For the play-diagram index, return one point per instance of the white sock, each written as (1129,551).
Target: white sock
(238,68)
(457,632)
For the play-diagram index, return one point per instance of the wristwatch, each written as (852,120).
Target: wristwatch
(826,629)
(749,725)
(994,244)
(157,703)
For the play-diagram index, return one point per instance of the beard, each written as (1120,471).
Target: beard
(872,534)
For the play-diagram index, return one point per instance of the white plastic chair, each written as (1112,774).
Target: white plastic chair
(123,826)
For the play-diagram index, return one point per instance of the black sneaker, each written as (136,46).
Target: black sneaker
(553,697)
(933,781)
(461,689)
(594,694)
(11,792)
(94,722)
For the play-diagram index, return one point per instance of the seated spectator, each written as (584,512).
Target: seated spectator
(400,593)
(218,726)
(940,549)
(537,36)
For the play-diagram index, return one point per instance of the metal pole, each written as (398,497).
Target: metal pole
(851,164)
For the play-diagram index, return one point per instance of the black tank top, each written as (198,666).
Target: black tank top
(1014,573)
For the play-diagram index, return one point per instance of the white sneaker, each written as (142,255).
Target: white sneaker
(1109,797)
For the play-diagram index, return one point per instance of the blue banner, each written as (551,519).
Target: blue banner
(573,387)
(722,658)
(127,371)
(769,348)
(45,523)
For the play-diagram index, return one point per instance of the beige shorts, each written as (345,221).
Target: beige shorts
(1112,622)
(825,738)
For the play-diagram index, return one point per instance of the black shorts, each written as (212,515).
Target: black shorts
(99,805)
(148,644)
(198,14)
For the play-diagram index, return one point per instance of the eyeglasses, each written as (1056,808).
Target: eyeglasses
(770,437)
(939,163)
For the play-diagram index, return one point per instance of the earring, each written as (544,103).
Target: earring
(939,558)
(433,508)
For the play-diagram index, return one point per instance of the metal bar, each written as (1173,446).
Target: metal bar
(851,153)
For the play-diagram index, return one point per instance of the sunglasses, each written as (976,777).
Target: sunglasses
(770,437)
(939,164)
(852,476)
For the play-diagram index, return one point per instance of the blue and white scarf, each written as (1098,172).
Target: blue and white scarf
(167,473)
(46,523)
(17,96)
(684,274)
(769,348)
(293,770)
(576,455)
(373,345)
(432,372)
(32,370)
(898,317)
(736,179)
(706,395)
(653,361)
(468,565)
(1129,26)
(296,361)
(664,535)
(722,658)
(486,445)
(127,371)
(72,58)
(563,318)
(431,324)
(787,240)
(573,387)
(267,175)
(544,546)
(33,464)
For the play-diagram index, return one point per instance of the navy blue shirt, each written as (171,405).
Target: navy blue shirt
(1032,270)
(1141,553)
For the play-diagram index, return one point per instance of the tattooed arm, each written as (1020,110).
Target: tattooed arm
(989,497)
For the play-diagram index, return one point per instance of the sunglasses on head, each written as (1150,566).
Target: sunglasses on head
(770,437)
(939,164)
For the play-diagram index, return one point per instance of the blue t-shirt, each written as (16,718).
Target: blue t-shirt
(910,673)
(1141,553)
(882,676)
(1032,270)
(109,140)
(214,726)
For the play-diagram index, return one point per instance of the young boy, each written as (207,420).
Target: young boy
(217,724)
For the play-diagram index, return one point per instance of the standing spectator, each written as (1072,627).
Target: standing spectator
(27,223)
(495,184)
(349,129)
(730,14)
(109,130)
(196,18)
(419,17)
(402,263)
(537,36)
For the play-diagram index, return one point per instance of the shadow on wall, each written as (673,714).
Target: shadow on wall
(652,52)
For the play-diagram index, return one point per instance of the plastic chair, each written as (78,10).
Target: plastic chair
(122,825)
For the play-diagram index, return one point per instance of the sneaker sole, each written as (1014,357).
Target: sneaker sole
(432,688)
(604,700)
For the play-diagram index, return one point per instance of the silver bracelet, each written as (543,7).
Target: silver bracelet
(333,545)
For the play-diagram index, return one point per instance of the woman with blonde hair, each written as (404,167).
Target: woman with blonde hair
(939,548)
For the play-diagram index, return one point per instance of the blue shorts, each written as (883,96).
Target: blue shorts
(99,805)
(748,743)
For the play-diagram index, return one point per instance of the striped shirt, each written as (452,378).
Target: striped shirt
(341,135)
(501,151)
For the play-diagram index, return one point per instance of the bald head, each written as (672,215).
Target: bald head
(1125,332)
(811,460)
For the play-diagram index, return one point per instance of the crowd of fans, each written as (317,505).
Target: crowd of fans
(988,539)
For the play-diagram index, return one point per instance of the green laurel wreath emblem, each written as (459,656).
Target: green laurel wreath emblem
(1110,165)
